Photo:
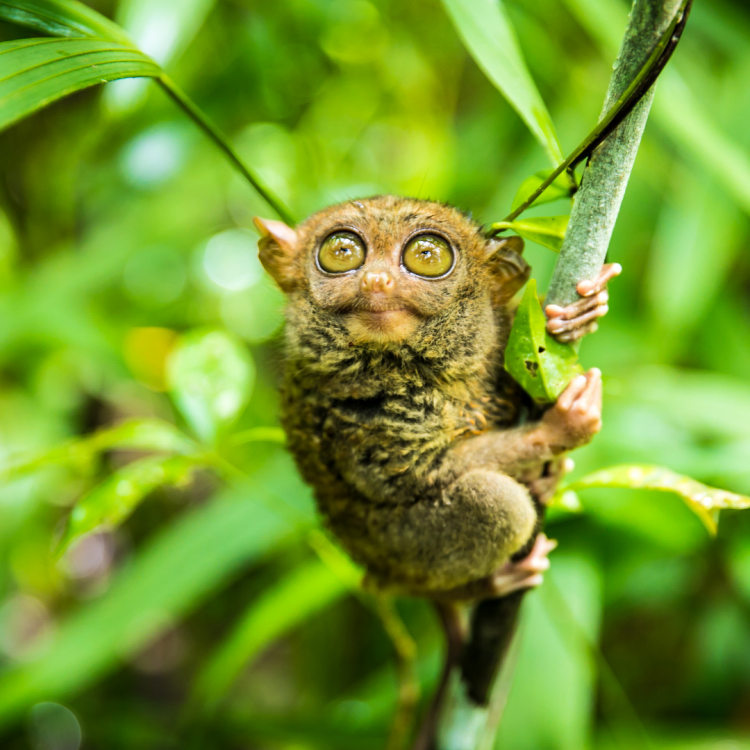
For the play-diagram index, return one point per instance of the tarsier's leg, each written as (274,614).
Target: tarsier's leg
(576,320)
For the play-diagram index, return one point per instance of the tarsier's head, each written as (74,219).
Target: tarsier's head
(387,270)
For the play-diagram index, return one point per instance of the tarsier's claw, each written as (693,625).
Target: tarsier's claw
(526,573)
(579,318)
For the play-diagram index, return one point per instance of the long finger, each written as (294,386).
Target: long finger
(589,396)
(571,393)
(578,307)
(589,288)
(577,333)
(560,325)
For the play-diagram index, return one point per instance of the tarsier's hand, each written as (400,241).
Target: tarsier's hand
(574,321)
(577,415)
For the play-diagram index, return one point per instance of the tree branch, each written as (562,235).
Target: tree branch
(465,723)
(598,200)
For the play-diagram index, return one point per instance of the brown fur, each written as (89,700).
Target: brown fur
(409,432)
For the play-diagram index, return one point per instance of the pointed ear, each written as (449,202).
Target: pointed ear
(278,248)
(508,269)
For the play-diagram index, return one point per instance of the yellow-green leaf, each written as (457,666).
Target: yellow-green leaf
(545,230)
(539,363)
(134,434)
(560,188)
(703,500)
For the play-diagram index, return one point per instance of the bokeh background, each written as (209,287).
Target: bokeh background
(121,228)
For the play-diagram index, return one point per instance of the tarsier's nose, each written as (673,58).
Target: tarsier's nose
(377,281)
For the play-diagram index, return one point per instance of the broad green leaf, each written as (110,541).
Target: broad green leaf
(111,502)
(703,500)
(135,434)
(300,594)
(544,230)
(186,562)
(210,377)
(37,72)
(560,188)
(538,362)
(489,36)
(66,18)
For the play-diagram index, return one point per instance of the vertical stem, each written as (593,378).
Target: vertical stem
(468,713)
(605,179)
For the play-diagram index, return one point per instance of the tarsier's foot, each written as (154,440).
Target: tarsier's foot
(543,486)
(523,574)
(576,320)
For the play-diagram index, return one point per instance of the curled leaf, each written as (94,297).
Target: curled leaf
(539,363)
(560,188)
(703,500)
(545,230)
(111,502)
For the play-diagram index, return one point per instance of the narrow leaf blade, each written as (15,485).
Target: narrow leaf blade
(289,602)
(210,376)
(66,18)
(134,434)
(702,499)
(37,72)
(538,362)
(183,565)
(489,36)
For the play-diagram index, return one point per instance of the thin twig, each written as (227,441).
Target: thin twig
(621,108)
(408,683)
(213,132)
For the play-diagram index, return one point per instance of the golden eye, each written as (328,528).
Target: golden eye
(428,255)
(341,252)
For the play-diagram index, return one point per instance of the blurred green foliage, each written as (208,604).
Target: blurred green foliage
(207,619)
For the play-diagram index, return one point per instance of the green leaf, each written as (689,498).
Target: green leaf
(37,72)
(489,36)
(135,434)
(110,503)
(210,377)
(66,18)
(544,230)
(538,362)
(185,563)
(558,189)
(703,500)
(300,594)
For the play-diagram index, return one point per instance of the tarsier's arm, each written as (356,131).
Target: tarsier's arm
(570,423)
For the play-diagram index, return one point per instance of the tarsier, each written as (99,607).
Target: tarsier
(427,461)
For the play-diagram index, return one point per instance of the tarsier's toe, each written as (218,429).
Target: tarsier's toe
(526,573)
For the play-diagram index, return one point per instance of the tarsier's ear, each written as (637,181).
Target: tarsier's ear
(277,250)
(509,269)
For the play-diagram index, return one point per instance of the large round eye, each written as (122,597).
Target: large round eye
(428,255)
(341,252)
